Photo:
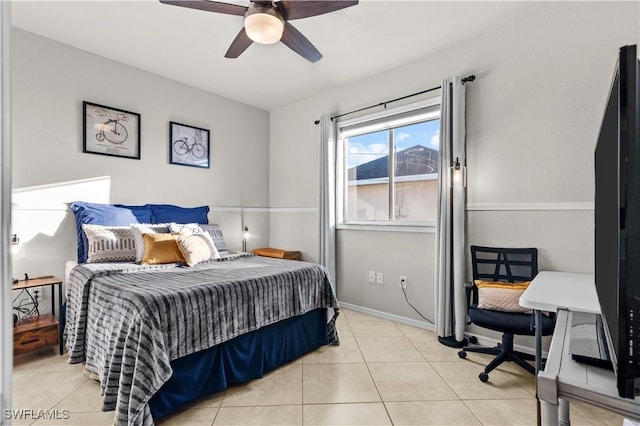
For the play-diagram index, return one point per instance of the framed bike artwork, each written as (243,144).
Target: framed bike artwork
(188,145)
(110,131)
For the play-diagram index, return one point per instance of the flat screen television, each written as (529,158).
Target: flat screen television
(617,223)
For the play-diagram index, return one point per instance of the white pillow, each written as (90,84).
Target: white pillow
(186,228)
(197,248)
(110,243)
(146,228)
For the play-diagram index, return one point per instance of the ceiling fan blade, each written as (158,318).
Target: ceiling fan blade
(299,43)
(209,6)
(298,9)
(239,45)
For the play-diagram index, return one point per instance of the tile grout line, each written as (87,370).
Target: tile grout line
(302,382)
(369,370)
(374,380)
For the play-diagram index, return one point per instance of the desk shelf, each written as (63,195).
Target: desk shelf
(564,379)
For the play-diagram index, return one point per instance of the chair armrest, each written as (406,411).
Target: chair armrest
(472,293)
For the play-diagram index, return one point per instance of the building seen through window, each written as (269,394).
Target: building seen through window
(391,175)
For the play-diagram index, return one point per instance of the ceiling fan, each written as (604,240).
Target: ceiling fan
(266,22)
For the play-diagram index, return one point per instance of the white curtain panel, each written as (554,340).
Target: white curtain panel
(444,313)
(450,264)
(327,197)
(458,153)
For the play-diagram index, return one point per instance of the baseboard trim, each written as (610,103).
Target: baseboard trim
(391,317)
(482,340)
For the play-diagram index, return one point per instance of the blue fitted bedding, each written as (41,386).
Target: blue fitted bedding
(244,358)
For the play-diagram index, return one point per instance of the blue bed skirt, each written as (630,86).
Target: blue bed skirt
(241,359)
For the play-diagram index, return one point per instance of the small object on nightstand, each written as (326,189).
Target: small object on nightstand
(277,253)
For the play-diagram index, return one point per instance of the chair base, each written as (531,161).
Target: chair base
(504,353)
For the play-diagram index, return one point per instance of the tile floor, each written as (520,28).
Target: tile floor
(383,373)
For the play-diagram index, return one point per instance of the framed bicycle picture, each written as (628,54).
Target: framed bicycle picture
(110,131)
(188,145)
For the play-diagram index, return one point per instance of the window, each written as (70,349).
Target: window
(389,166)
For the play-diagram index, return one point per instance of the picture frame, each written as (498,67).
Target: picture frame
(110,131)
(188,145)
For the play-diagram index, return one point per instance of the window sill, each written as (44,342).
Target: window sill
(387,227)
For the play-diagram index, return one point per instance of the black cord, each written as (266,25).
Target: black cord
(27,308)
(414,308)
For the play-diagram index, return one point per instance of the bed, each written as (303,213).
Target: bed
(159,336)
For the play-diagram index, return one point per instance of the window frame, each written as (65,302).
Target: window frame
(341,168)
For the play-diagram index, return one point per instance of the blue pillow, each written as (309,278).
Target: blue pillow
(107,215)
(142,213)
(166,213)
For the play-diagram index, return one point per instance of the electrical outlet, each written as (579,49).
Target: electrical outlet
(380,278)
(402,282)
(372,276)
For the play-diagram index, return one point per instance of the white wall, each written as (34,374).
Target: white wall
(532,120)
(533,116)
(50,81)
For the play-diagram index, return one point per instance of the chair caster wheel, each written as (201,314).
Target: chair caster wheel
(473,340)
(483,377)
(462,354)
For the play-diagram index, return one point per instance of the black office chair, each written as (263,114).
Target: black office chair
(507,265)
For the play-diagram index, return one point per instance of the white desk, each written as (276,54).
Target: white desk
(564,379)
(550,291)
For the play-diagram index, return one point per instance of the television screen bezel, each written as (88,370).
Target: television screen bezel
(617,241)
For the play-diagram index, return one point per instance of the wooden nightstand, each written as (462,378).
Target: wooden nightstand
(277,253)
(44,330)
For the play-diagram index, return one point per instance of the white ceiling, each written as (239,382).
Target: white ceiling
(189,45)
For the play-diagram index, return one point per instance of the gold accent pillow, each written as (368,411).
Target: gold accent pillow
(161,248)
(197,248)
(146,228)
(501,296)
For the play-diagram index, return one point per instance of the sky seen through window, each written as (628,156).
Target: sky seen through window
(368,147)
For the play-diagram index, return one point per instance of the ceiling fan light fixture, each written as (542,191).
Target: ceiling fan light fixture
(263,24)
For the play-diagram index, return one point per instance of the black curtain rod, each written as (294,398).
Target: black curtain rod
(384,104)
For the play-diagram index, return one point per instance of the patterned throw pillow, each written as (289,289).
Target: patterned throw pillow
(216,235)
(146,228)
(197,248)
(501,296)
(105,215)
(110,243)
(161,248)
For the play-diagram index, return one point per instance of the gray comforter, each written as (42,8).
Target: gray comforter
(126,322)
